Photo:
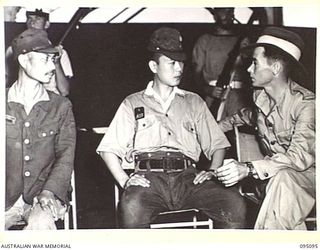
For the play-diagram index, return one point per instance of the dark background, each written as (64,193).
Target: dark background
(110,61)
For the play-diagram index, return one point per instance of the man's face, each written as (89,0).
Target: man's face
(169,71)
(224,17)
(260,70)
(36,22)
(40,66)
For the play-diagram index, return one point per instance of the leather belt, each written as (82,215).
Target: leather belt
(233,84)
(162,162)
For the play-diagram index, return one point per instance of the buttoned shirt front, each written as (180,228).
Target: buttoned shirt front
(39,147)
(141,124)
(288,127)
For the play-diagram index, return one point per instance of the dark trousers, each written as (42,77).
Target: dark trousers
(139,206)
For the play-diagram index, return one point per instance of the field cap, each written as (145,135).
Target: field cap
(38,12)
(167,41)
(32,40)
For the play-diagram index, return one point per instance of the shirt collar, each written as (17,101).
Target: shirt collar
(15,94)
(263,102)
(150,91)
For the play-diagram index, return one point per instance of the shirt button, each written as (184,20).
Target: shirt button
(44,134)
(27,124)
(51,132)
(166,115)
(26,141)
(169,133)
(27,158)
(27,173)
(266,174)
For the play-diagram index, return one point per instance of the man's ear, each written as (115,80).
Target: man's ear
(47,25)
(153,66)
(23,59)
(276,67)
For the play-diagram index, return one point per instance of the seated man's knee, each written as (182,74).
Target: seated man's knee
(39,219)
(133,208)
(284,178)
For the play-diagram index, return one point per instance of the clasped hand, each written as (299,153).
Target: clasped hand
(47,201)
(231,172)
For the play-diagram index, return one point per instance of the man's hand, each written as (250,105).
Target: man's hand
(231,172)
(137,180)
(58,57)
(203,176)
(214,91)
(47,201)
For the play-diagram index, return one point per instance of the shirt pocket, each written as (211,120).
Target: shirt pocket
(145,123)
(48,131)
(189,127)
(189,134)
(147,132)
(12,131)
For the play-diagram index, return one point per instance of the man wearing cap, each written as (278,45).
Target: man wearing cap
(219,74)
(284,117)
(63,71)
(161,131)
(40,138)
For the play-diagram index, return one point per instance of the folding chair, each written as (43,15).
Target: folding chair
(72,209)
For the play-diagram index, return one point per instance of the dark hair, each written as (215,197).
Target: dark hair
(274,54)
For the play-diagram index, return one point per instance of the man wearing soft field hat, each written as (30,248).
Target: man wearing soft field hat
(60,83)
(284,117)
(40,138)
(161,131)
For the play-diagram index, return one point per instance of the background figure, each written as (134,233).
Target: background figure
(218,68)
(284,117)
(40,138)
(63,71)
(162,130)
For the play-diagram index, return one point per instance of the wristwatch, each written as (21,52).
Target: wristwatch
(251,168)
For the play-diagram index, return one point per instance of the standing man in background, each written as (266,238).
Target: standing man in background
(210,55)
(60,82)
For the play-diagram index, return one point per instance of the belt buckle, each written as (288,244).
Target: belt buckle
(165,165)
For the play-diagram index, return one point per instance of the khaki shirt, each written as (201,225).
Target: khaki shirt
(141,124)
(288,127)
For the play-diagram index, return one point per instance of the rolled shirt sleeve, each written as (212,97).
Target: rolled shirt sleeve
(119,136)
(211,137)
(243,117)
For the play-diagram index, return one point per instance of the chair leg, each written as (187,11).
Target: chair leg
(66,221)
(194,219)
